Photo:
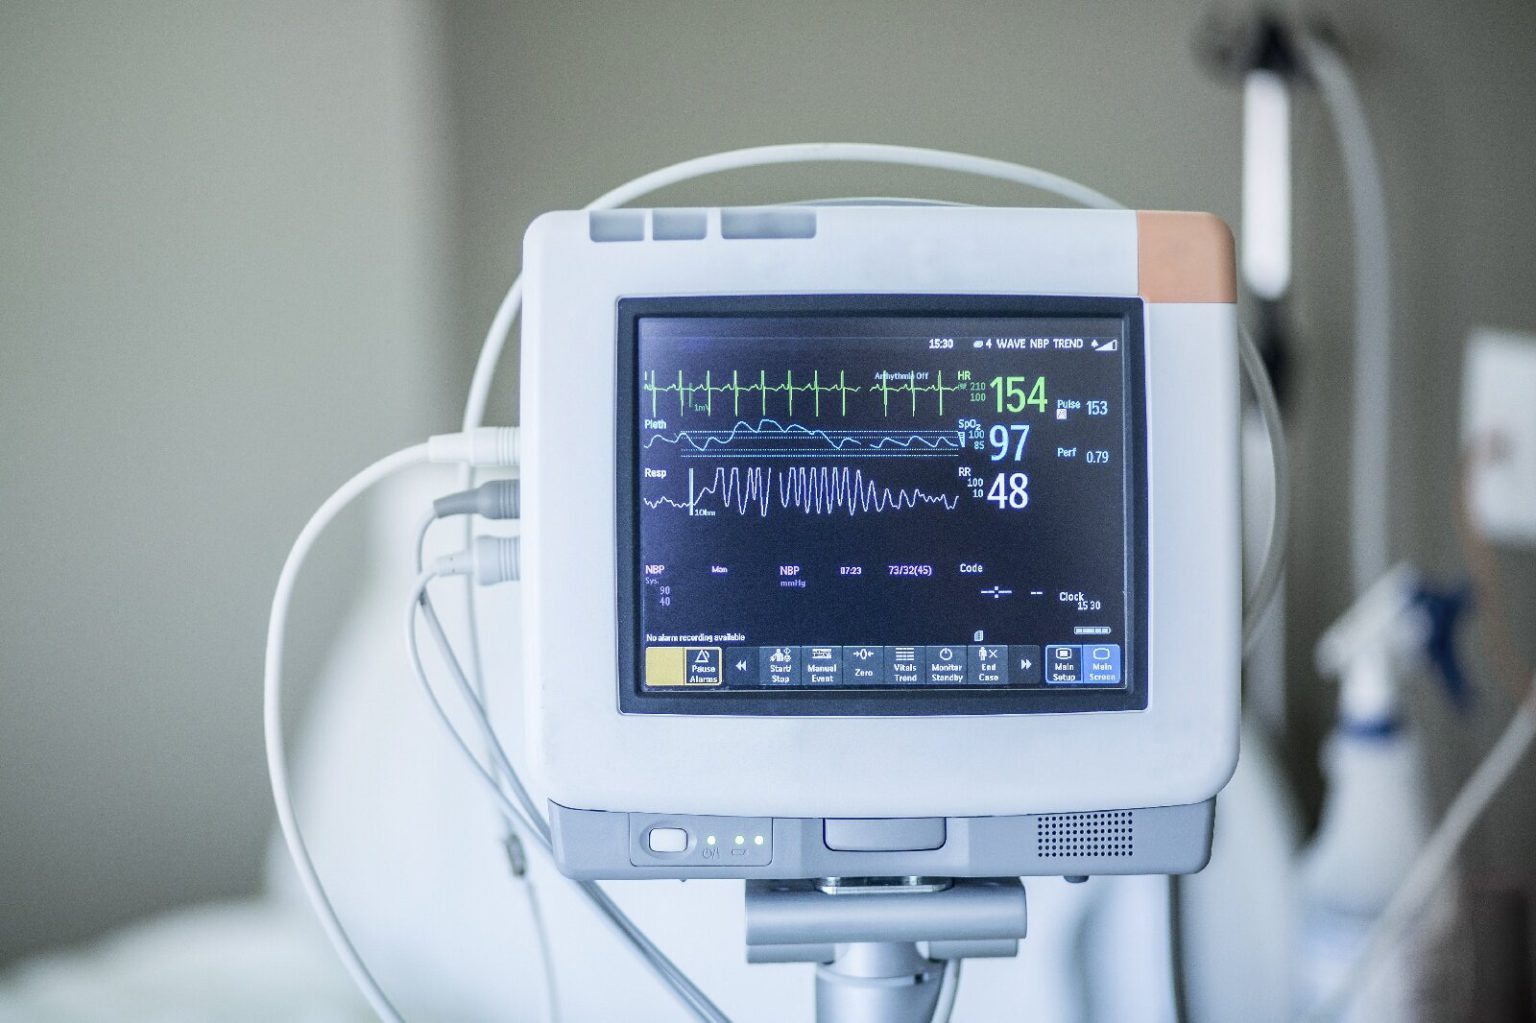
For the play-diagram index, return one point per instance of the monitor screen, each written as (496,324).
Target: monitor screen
(879,505)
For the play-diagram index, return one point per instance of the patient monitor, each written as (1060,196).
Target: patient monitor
(880,540)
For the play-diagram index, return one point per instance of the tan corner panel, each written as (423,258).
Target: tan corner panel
(1185,257)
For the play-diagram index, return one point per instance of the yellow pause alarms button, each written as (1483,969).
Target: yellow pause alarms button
(682,666)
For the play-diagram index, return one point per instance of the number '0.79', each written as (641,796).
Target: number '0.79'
(1012,395)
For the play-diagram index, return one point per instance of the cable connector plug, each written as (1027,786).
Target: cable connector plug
(483,448)
(517,856)
(494,499)
(490,559)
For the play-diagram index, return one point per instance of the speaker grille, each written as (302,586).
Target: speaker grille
(1103,833)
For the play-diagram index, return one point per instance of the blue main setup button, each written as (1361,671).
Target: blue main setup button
(1063,665)
(1101,664)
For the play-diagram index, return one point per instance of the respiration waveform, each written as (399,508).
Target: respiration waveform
(748,440)
(813,490)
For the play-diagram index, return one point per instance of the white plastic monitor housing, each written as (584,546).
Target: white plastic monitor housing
(590,757)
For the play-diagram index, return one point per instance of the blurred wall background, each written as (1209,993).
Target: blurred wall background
(245,248)
(223,288)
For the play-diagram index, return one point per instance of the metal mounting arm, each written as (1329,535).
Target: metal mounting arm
(880,943)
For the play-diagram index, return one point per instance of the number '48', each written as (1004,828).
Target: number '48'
(1009,490)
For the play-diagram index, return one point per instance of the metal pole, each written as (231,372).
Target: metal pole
(877,982)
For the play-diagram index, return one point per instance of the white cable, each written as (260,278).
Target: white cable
(1267,584)
(854,152)
(477,703)
(509,809)
(484,446)
(949,989)
(510,817)
(277,767)
(671,975)
(511,814)
(546,952)
(668,972)
(422,530)
(1439,853)
(1371,425)
(492,744)
(528,812)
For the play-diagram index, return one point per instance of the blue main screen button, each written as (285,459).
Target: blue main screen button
(1101,664)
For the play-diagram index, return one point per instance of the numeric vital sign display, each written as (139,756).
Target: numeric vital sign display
(883,504)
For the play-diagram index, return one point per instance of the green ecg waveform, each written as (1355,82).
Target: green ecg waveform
(700,396)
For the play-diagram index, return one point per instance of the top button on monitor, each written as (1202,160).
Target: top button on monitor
(896,834)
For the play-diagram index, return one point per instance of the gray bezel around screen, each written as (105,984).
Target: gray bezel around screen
(633,698)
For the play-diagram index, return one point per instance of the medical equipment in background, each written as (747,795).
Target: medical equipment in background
(1499,432)
(1262,53)
(1375,815)
(1349,926)
(1271,55)
(1254,50)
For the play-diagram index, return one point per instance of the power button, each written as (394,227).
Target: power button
(667,840)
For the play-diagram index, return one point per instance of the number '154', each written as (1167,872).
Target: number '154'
(1012,396)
